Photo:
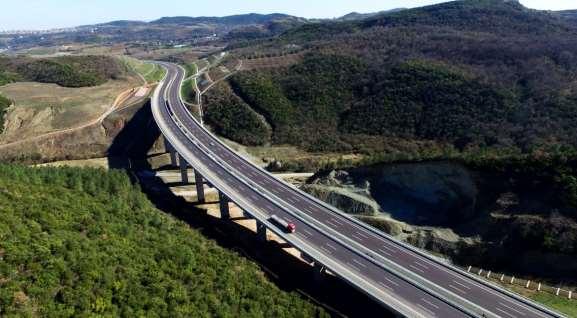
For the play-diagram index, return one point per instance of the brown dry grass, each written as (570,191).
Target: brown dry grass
(43,108)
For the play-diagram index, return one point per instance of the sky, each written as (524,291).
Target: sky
(48,14)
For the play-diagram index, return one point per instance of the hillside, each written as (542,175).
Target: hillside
(83,242)
(69,71)
(462,76)
(354,16)
(166,31)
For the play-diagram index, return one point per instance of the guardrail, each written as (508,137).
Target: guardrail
(523,282)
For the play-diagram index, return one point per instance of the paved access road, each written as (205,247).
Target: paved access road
(399,276)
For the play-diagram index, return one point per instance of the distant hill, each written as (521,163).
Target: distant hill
(570,15)
(233,20)
(355,16)
(167,30)
(453,77)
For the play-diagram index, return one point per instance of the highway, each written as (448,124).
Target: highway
(400,277)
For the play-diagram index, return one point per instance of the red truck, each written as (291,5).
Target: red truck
(288,227)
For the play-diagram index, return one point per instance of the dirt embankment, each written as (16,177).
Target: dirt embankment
(88,141)
(469,216)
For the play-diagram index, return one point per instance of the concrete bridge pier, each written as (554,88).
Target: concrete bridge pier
(170,149)
(183,169)
(319,271)
(198,180)
(224,208)
(261,231)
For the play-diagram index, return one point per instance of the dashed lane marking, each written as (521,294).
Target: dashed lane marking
(417,269)
(458,289)
(506,313)
(359,263)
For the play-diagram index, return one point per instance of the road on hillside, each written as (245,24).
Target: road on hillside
(400,277)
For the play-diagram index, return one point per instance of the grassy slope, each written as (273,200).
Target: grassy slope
(83,242)
(150,72)
(558,303)
(188,92)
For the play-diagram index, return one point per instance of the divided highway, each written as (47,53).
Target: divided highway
(400,277)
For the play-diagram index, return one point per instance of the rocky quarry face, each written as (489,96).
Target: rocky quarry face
(446,208)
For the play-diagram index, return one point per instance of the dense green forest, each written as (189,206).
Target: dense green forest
(232,117)
(85,242)
(68,71)
(4,104)
(459,76)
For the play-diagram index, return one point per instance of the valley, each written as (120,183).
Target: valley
(449,127)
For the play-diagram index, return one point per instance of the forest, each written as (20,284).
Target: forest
(86,242)
(442,77)
(67,71)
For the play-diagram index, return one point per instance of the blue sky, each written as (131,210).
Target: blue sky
(46,14)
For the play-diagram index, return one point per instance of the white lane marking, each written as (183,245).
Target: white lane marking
(331,246)
(332,224)
(421,265)
(309,211)
(326,250)
(384,252)
(353,266)
(506,313)
(513,309)
(386,286)
(473,282)
(362,235)
(458,289)
(392,281)
(462,285)
(417,269)
(356,261)
(430,312)
(339,222)
(308,232)
(429,303)
(357,237)
(388,248)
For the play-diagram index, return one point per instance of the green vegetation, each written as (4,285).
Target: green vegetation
(4,104)
(423,100)
(561,304)
(455,78)
(156,75)
(151,72)
(190,69)
(84,242)
(233,118)
(303,103)
(7,77)
(188,92)
(68,71)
